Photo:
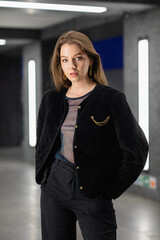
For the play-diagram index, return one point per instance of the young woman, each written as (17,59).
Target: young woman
(90,148)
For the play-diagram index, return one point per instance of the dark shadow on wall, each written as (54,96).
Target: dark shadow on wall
(11,132)
(47,51)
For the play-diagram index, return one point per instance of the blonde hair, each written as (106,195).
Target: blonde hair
(74,37)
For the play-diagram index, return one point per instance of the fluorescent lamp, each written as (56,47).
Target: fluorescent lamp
(2,42)
(53,7)
(32,102)
(143,88)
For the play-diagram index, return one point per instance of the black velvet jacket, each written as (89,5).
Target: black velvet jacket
(110,149)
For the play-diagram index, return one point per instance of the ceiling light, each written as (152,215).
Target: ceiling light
(2,42)
(53,7)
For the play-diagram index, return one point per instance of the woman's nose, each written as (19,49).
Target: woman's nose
(72,64)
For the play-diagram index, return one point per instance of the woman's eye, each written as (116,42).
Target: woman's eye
(64,60)
(78,58)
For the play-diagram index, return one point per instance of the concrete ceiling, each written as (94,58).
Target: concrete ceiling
(40,19)
(16,20)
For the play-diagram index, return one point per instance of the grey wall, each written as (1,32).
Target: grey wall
(135,27)
(115,78)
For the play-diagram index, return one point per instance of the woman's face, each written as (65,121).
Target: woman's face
(74,62)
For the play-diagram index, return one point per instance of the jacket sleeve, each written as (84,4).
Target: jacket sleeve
(132,143)
(41,118)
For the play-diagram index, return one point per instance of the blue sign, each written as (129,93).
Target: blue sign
(111,52)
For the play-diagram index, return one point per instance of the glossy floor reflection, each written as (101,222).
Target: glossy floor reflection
(138,218)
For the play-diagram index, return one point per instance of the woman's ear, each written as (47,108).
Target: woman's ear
(90,62)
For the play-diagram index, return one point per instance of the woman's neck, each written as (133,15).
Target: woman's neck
(80,89)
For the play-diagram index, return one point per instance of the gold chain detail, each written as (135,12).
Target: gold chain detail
(100,123)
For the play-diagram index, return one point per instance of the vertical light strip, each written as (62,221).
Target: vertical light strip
(32,101)
(2,42)
(143,88)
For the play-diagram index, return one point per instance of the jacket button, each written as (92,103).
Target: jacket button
(81,188)
(76,126)
(77,167)
(79,107)
(75,146)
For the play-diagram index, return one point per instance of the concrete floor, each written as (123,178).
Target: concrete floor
(138,218)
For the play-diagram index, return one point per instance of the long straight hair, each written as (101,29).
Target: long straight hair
(74,37)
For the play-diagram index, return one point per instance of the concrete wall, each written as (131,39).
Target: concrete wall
(139,26)
(115,78)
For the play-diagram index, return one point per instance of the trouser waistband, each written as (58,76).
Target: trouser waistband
(64,164)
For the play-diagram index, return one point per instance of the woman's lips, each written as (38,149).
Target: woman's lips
(73,74)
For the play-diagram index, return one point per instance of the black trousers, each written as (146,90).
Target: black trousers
(62,204)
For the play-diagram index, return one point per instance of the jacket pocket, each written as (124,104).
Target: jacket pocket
(100,123)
